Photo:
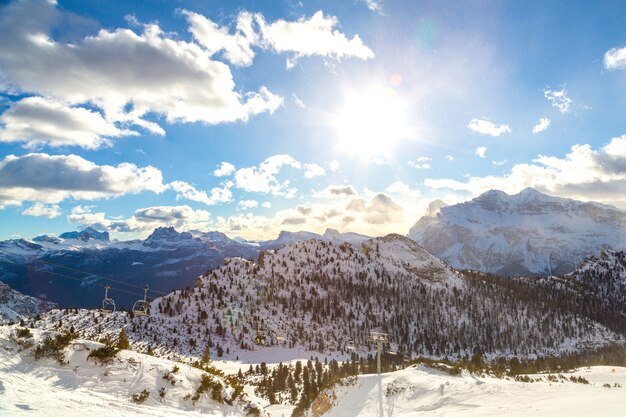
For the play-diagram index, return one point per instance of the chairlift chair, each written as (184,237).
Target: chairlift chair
(261,335)
(108,305)
(140,308)
(351,346)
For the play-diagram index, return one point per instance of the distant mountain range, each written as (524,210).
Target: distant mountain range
(529,233)
(72,269)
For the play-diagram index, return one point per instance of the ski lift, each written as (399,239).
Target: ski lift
(351,346)
(281,338)
(140,308)
(108,305)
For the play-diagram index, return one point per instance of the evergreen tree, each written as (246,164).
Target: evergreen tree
(206,355)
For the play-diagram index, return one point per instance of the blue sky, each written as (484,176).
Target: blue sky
(255,117)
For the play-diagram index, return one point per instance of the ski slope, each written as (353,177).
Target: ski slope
(83,388)
(44,388)
(421,391)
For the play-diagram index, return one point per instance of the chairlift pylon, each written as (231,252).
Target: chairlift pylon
(108,305)
(140,308)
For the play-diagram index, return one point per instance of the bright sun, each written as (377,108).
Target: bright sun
(370,123)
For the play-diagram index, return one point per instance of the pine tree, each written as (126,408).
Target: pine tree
(122,341)
(206,355)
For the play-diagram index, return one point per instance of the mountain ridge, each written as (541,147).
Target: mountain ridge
(529,233)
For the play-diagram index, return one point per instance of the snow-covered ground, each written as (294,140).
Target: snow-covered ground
(44,388)
(417,391)
(82,388)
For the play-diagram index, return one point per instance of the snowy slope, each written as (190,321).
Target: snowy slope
(418,390)
(15,306)
(82,387)
(527,233)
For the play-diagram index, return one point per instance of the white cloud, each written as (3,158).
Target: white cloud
(36,121)
(262,179)
(402,189)
(615,59)
(52,178)
(224,169)
(144,220)
(316,35)
(248,204)
(237,47)
(450,157)
(485,127)
(299,103)
(583,173)
(480,151)
(499,163)
(374,5)
(334,166)
(541,125)
(266,204)
(50,211)
(558,99)
(189,192)
(313,170)
(148,72)
(420,163)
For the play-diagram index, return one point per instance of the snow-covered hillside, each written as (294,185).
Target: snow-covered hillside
(15,306)
(83,387)
(529,233)
(419,390)
(318,296)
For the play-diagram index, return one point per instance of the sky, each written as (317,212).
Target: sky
(252,117)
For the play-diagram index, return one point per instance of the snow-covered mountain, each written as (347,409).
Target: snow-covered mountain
(62,268)
(529,233)
(317,295)
(15,306)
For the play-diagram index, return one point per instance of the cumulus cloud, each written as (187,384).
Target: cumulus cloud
(237,47)
(313,170)
(376,215)
(450,157)
(485,127)
(50,211)
(36,121)
(541,125)
(144,219)
(480,151)
(615,59)
(224,169)
(583,173)
(187,191)
(558,99)
(317,35)
(262,179)
(52,178)
(248,204)
(126,74)
(423,162)
(402,189)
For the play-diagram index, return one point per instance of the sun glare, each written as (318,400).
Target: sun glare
(369,124)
